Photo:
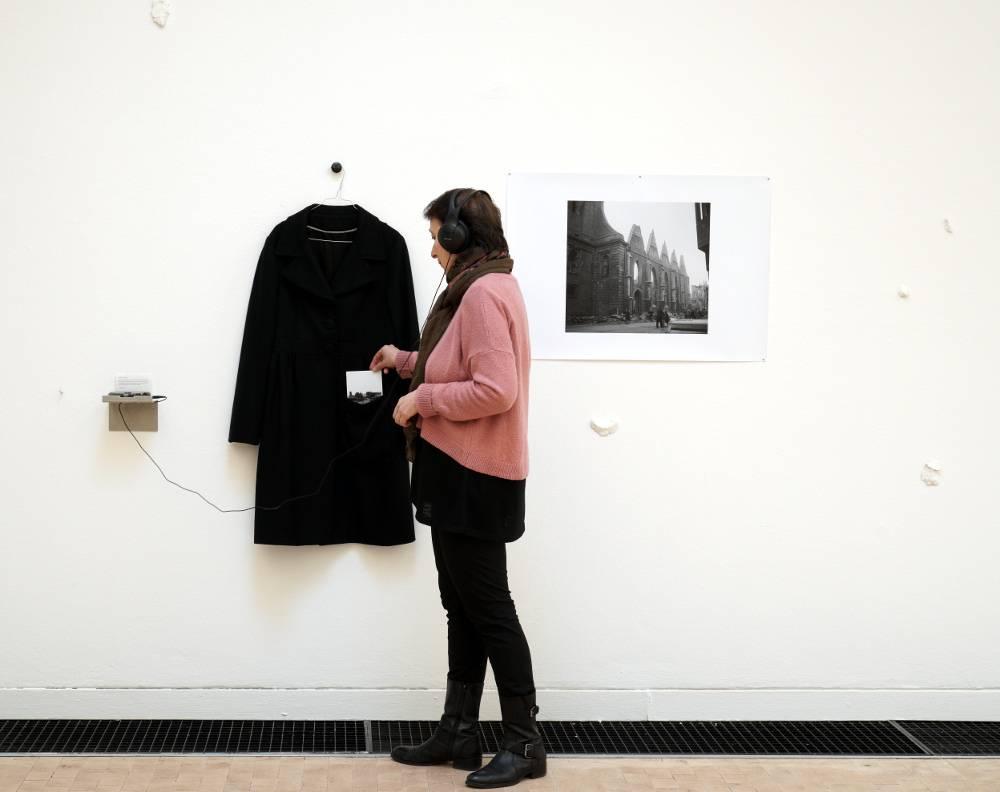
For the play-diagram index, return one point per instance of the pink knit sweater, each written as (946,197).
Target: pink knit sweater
(473,402)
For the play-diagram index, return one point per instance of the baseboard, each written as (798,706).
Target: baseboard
(555,704)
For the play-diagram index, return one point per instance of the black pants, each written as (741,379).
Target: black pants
(482,621)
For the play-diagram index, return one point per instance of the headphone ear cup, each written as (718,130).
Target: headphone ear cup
(453,236)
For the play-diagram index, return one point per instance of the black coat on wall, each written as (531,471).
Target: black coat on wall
(316,310)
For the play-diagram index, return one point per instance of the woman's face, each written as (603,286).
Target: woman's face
(437,252)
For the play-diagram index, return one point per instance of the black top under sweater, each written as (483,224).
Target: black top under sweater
(455,498)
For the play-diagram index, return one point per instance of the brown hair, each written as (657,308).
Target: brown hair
(479,213)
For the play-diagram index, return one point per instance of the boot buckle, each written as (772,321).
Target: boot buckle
(528,747)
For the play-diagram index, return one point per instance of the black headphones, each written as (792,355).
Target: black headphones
(454,235)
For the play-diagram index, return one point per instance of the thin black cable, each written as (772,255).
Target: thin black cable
(329,465)
(364,439)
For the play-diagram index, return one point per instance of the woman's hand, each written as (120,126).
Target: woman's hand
(406,408)
(384,359)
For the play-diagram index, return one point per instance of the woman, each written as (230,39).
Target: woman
(465,419)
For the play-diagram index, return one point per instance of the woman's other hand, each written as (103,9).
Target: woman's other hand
(384,359)
(406,408)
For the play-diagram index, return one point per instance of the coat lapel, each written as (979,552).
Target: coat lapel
(302,267)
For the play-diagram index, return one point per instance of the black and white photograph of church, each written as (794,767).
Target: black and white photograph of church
(652,279)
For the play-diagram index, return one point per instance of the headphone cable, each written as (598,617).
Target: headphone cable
(329,465)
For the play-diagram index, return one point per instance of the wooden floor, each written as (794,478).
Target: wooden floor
(571,774)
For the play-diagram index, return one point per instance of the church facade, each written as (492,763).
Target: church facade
(607,274)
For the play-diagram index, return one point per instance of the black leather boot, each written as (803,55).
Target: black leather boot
(522,753)
(456,738)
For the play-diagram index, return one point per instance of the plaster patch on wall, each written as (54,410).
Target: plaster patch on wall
(161,12)
(604,425)
(903,291)
(947,226)
(931,474)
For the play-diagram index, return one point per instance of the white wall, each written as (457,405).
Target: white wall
(755,542)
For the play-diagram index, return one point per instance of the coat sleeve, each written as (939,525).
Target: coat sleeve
(399,293)
(255,354)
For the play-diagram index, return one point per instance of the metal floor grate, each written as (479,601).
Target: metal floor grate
(966,738)
(695,737)
(615,738)
(729,737)
(181,736)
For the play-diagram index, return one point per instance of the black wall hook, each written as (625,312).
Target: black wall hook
(336,167)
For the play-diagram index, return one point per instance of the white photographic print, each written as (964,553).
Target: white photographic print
(364,386)
(642,267)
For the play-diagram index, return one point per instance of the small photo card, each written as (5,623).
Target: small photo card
(364,386)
